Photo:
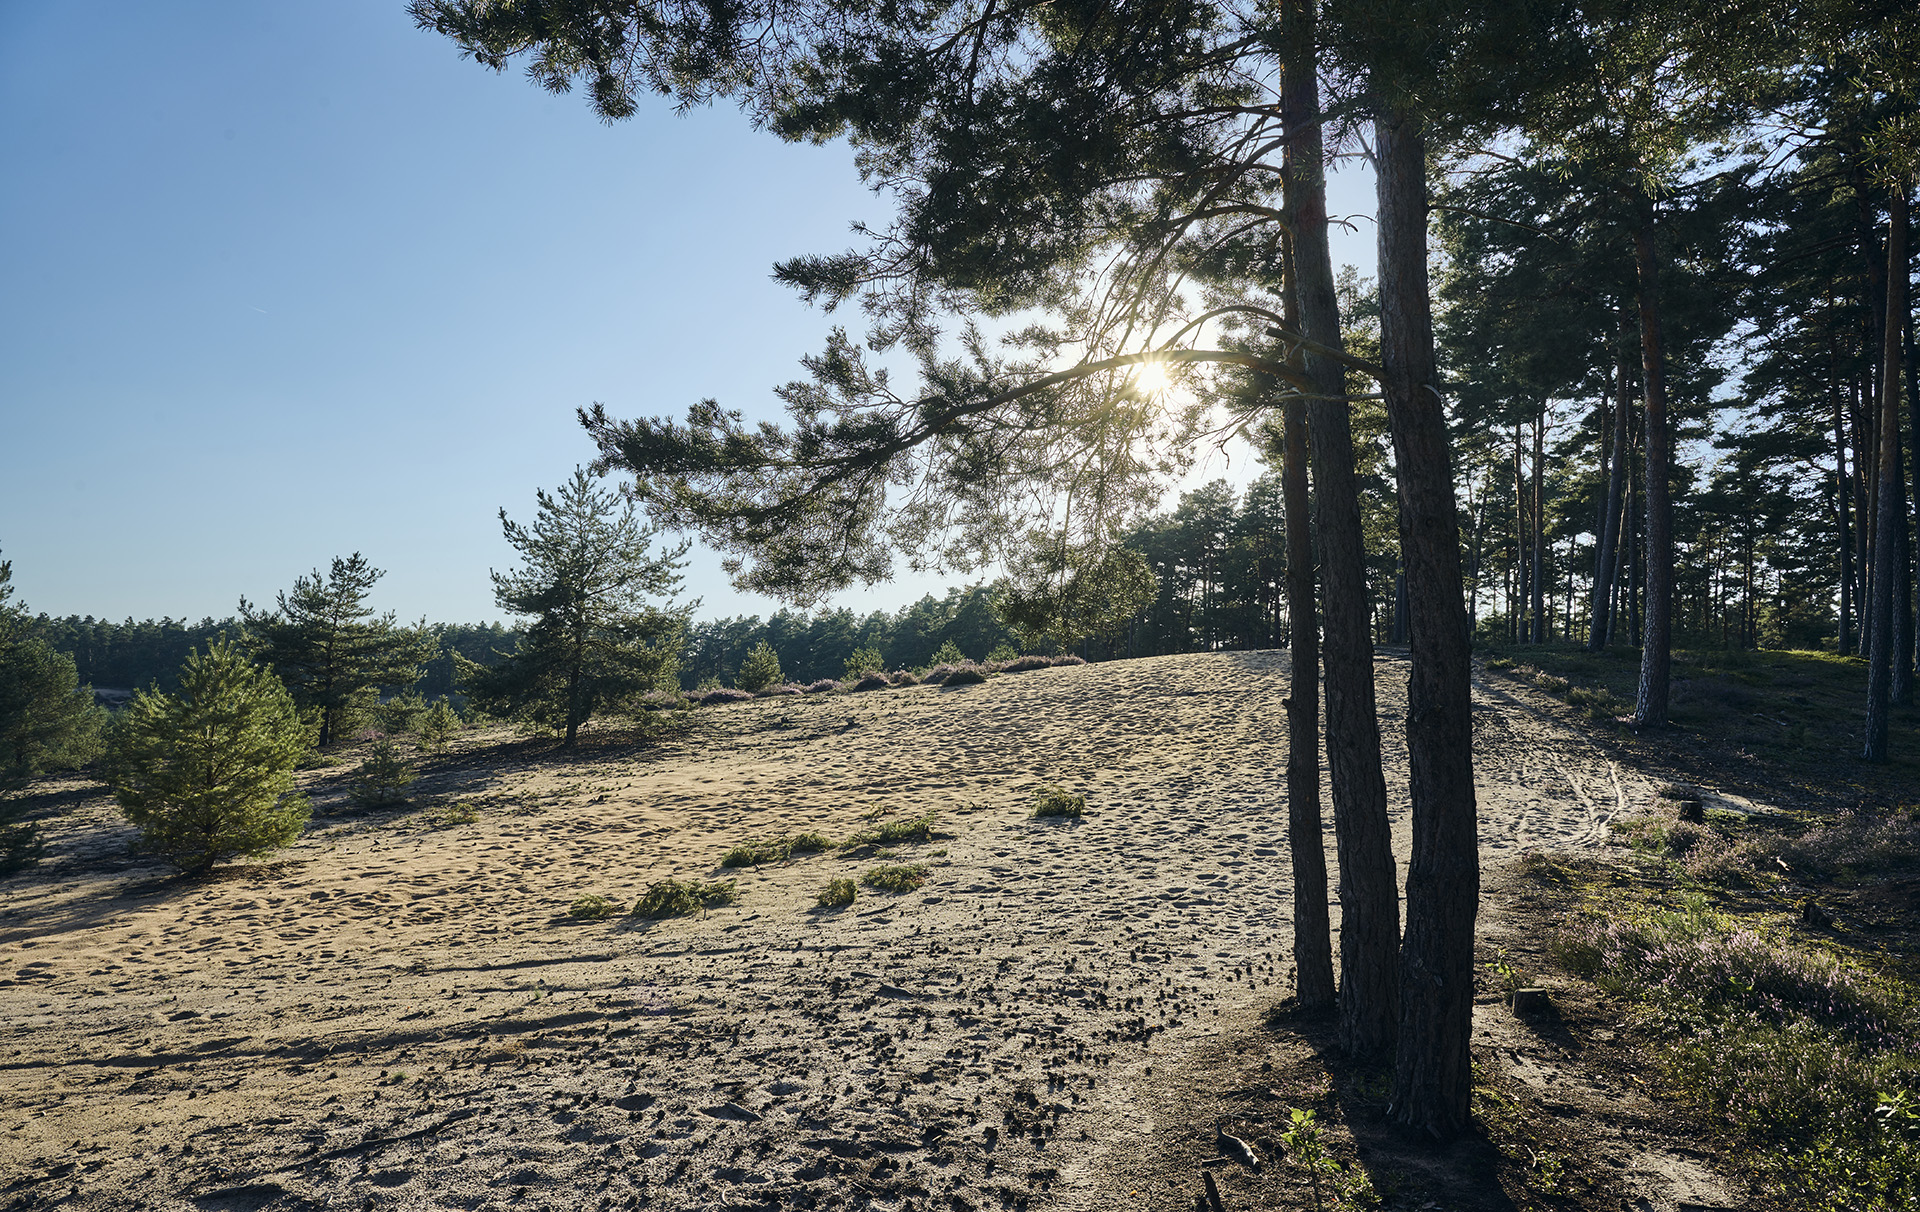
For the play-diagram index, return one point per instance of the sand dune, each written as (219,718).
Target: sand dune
(400,1016)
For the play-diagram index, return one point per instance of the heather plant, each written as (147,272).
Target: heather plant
(1022,664)
(822,686)
(873,681)
(965,675)
(679,898)
(785,690)
(1069,659)
(1811,1059)
(903,877)
(723,694)
(760,669)
(903,677)
(1859,843)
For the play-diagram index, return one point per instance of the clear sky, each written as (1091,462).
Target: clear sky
(279,282)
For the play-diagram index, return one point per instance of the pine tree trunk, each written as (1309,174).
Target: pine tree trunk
(1888,497)
(1432,1069)
(1656,645)
(1840,508)
(1369,894)
(1312,931)
(1607,560)
(1536,507)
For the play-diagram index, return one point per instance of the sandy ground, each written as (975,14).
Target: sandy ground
(396,1015)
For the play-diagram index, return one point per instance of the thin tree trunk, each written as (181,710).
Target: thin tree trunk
(1606,560)
(1432,1069)
(1312,930)
(1517,606)
(1840,502)
(1369,894)
(1538,509)
(1880,611)
(1656,645)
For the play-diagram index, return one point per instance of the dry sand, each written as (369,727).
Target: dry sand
(401,1016)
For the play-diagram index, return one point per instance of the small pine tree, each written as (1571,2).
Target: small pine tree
(948,654)
(383,777)
(401,713)
(760,669)
(865,660)
(207,774)
(436,726)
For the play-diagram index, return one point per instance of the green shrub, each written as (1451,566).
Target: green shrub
(400,714)
(1059,802)
(898,878)
(837,894)
(893,833)
(678,898)
(760,669)
(948,654)
(592,908)
(863,661)
(207,775)
(436,725)
(775,850)
(383,778)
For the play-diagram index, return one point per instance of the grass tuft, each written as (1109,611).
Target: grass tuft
(592,908)
(904,877)
(775,850)
(837,894)
(678,898)
(1059,802)
(913,829)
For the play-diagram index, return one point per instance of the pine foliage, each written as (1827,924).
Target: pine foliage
(208,774)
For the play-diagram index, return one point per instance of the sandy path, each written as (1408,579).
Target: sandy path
(401,1017)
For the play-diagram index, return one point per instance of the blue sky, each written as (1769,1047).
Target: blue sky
(284,281)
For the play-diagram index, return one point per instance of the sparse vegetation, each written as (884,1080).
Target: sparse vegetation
(901,877)
(383,778)
(1808,1056)
(837,894)
(1058,802)
(679,898)
(914,829)
(592,908)
(775,850)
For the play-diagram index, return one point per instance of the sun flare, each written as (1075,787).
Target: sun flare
(1151,378)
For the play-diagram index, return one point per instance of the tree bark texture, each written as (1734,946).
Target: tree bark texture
(1369,893)
(1607,558)
(1656,644)
(1432,1069)
(1888,497)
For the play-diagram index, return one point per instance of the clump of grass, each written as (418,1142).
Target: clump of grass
(837,894)
(1808,1057)
(450,815)
(678,898)
(592,907)
(1499,664)
(1551,683)
(775,850)
(1052,801)
(904,877)
(913,829)
(1599,702)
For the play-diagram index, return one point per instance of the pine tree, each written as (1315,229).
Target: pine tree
(760,669)
(47,722)
(208,774)
(585,579)
(331,650)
